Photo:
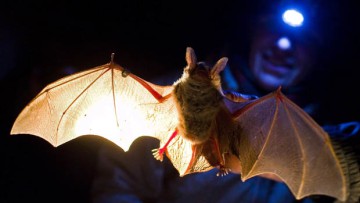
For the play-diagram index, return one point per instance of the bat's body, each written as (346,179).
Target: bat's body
(198,98)
(198,103)
(267,135)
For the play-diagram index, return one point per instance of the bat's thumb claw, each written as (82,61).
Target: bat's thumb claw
(158,154)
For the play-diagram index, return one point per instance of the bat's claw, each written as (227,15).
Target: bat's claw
(158,154)
(223,171)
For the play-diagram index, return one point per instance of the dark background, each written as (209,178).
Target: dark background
(43,41)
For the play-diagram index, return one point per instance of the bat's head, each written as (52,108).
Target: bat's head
(201,72)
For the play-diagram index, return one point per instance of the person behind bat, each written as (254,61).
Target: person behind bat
(272,55)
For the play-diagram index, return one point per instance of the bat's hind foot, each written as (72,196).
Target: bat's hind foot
(158,153)
(223,171)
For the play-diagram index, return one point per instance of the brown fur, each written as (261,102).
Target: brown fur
(198,97)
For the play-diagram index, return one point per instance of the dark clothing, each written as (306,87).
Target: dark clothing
(135,176)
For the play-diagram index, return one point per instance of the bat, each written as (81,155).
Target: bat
(199,125)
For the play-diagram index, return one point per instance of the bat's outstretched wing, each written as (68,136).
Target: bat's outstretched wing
(268,135)
(107,101)
(278,137)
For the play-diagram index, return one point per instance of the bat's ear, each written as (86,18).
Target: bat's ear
(190,58)
(219,66)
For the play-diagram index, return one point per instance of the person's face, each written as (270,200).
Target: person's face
(273,65)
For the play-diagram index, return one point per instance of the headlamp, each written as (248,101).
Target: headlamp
(293,18)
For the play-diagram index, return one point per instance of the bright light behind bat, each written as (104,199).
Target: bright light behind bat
(101,120)
(293,18)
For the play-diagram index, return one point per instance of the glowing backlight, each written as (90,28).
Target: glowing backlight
(120,126)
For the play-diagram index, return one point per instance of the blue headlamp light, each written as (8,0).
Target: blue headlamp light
(293,18)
